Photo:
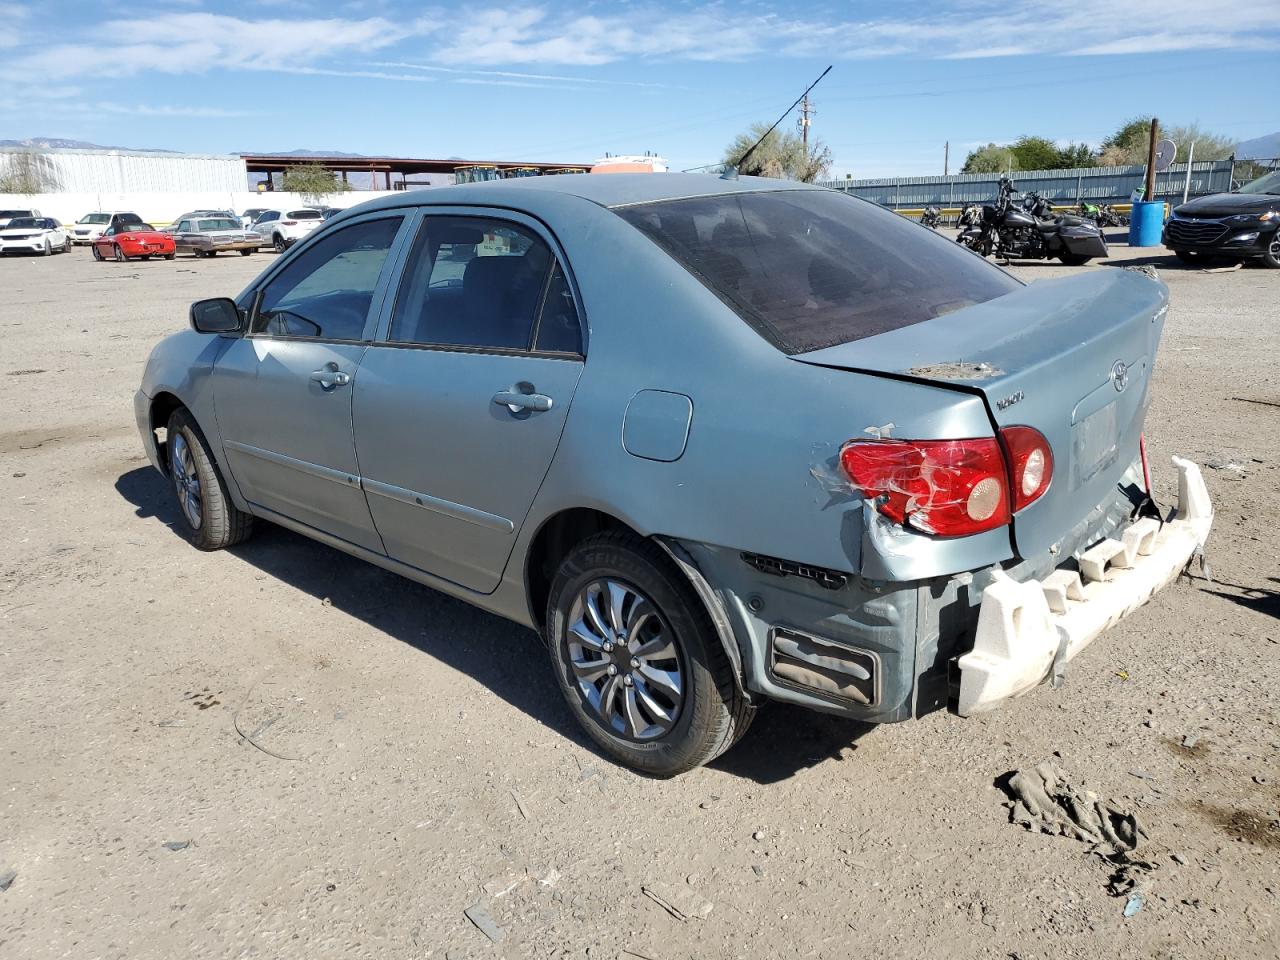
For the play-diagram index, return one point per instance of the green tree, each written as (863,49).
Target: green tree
(1128,145)
(1075,155)
(992,158)
(780,154)
(312,182)
(1209,146)
(1035,153)
(28,172)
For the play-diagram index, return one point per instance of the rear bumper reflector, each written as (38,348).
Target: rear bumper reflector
(1027,631)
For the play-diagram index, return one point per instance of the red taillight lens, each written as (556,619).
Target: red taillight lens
(1030,464)
(946,487)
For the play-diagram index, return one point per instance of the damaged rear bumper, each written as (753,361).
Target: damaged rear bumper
(1028,630)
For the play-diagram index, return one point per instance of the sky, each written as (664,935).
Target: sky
(566,83)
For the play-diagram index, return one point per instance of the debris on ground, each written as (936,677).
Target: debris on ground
(176,845)
(7,878)
(479,916)
(1044,800)
(524,812)
(1134,903)
(683,905)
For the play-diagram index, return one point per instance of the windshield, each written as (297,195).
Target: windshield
(1268,183)
(219,224)
(809,269)
(95,218)
(6,214)
(24,223)
(304,215)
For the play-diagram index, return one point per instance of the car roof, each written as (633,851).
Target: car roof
(606,189)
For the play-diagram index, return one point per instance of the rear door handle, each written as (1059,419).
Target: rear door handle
(329,376)
(515,401)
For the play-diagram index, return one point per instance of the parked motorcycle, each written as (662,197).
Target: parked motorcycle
(970,216)
(1103,216)
(1009,232)
(931,217)
(1038,206)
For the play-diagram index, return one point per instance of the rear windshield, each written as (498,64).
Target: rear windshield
(304,215)
(218,224)
(809,269)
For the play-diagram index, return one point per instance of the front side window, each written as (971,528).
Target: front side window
(477,282)
(325,292)
(808,269)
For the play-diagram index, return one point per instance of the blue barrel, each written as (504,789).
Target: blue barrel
(1145,223)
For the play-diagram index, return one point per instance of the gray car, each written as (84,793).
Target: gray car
(719,442)
(207,236)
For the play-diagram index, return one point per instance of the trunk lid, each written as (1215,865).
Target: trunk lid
(1070,357)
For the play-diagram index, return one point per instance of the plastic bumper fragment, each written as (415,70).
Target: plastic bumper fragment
(1028,630)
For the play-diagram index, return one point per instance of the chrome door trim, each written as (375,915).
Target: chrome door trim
(448,508)
(302,466)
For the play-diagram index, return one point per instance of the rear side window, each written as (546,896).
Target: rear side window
(484,283)
(809,269)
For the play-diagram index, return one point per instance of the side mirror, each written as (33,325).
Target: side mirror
(217,315)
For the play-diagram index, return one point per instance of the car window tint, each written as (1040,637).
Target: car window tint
(326,291)
(558,328)
(184,226)
(473,282)
(218,224)
(304,215)
(809,269)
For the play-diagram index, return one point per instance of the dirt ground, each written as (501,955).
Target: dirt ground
(424,765)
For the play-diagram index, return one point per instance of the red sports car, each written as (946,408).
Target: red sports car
(124,241)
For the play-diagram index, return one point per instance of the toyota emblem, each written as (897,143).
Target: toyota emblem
(1119,375)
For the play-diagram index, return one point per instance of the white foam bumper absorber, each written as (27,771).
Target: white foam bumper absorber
(1025,628)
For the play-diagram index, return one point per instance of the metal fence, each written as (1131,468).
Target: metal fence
(1062,187)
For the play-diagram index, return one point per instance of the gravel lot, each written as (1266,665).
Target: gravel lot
(432,767)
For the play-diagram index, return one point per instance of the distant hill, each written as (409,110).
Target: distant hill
(301,153)
(59,143)
(1260,148)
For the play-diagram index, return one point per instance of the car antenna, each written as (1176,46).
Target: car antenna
(731,170)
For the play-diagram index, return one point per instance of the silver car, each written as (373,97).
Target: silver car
(718,441)
(207,236)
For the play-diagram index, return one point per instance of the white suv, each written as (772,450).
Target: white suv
(286,227)
(92,225)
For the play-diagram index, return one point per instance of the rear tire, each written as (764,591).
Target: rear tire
(97,254)
(208,517)
(683,691)
(1074,259)
(170,256)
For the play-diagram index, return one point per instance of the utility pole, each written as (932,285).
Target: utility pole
(806,111)
(1150,192)
(946,158)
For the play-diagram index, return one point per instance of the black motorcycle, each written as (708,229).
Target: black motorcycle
(931,217)
(1009,232)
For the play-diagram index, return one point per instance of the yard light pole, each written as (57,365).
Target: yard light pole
(1186,186)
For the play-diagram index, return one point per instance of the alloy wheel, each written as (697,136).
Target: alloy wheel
(186,481)
(628,668)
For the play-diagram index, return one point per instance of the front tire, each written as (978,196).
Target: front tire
(638,660)
(1272,256)
(208,517)
(120,254)
(245,253)
(48,249)
(1190,257)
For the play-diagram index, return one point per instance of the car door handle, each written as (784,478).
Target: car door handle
(330,376)
(516,401)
